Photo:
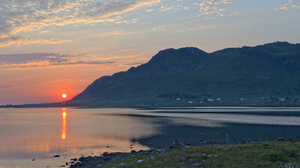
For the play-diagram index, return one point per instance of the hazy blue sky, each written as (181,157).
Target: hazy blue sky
(48,47)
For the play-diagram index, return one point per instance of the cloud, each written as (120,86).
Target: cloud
(208,8)
(166,8)
(3,87)
(150,10)
(35,60)
(135,64)
(172,6)
(19,18)
(114,33)
(292,4)
(19,40)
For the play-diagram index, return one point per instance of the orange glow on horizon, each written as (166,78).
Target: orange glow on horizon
(64,124)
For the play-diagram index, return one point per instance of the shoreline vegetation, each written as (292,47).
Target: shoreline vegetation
(282,153)
(154,102)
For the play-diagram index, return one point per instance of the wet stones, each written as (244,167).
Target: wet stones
(105,154)
(133,151)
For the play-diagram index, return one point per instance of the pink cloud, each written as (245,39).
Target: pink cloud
(20,17)
(292,4)
(35,60)
(207,8)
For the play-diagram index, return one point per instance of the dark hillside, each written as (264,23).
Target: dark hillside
(192,73)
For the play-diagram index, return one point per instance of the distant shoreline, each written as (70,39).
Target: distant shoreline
(116,105)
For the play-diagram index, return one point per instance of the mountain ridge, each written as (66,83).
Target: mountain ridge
(263,69)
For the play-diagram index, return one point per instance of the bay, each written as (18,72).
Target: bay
(30,137)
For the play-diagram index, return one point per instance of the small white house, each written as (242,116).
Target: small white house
(243,99)
(178,98)
(190,102)
(282,99)
(210,100)
(219,99)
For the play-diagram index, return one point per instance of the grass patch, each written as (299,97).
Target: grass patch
(264,155)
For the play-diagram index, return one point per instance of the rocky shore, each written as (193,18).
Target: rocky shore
(99,161)
(113,158)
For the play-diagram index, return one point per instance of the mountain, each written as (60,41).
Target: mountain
(190,73)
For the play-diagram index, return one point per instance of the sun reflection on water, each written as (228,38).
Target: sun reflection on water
(64,124)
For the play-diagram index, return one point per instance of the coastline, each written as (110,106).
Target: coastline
(119,159)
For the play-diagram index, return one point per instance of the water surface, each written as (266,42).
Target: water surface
(41,133)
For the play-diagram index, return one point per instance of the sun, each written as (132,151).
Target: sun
(64,96)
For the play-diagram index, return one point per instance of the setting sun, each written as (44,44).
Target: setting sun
(64,95)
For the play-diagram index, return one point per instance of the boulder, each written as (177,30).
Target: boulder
(133,151)
(122,164)
(280,139)
(105,154)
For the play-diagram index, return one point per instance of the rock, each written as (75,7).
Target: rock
(107,158)
(33,160)
(267,144)
(81,159)
(56,156)
(133,151)
(75,159)
(242,142)
(158,150)
(196,164)
(139,161)
(98,165)
(182,149)
(105,154)
(280,139)
(122,164)
(107,146)
(151,149)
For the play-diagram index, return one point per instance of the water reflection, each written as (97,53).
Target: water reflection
(27,134)
(64,123)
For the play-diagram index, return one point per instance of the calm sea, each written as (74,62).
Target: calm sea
(30,137)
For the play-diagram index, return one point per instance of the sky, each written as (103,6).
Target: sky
(50,47)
